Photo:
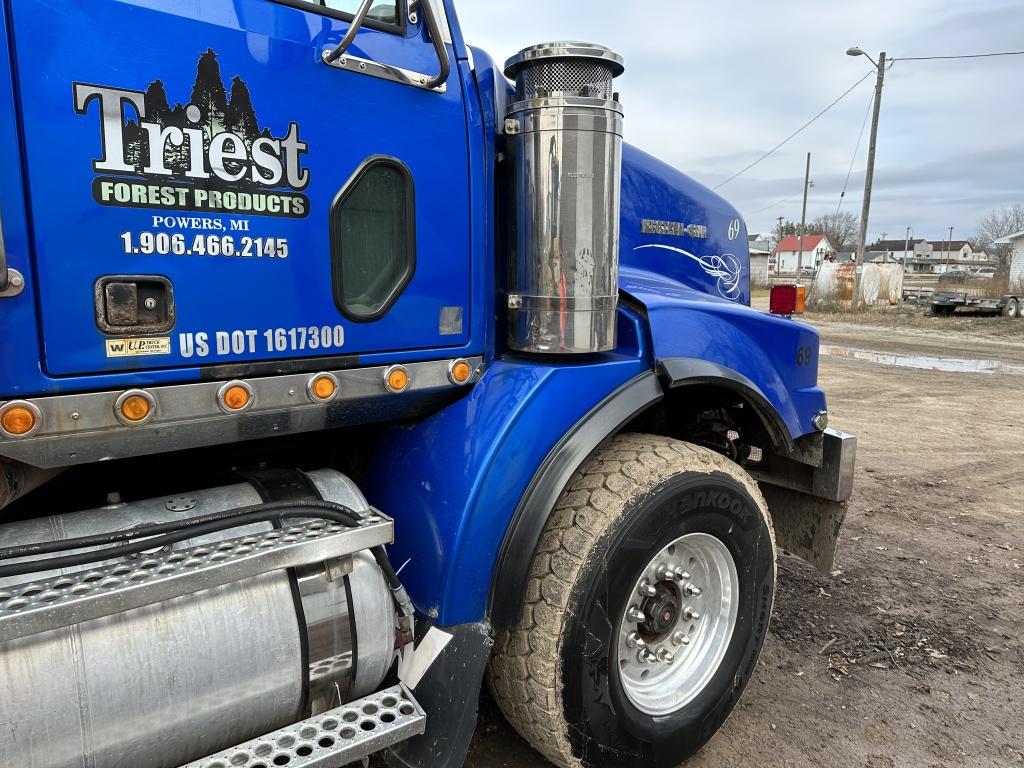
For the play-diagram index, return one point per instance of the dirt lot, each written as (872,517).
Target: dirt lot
(910,655)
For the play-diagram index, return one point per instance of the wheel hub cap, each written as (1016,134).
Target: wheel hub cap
(678,623)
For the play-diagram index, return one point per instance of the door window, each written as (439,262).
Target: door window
(373,239)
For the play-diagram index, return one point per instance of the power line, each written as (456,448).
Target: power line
(796,133)
(856,149)
(963,56)
(777,202)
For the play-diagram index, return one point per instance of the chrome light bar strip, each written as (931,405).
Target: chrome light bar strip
(337,737)
(82,428)
(134,582)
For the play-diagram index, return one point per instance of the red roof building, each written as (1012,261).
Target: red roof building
(816,248)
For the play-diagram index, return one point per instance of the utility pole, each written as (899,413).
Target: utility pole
(949,248)
(777,244)
(906,258)
(906,247)
(858,299)
(803,220)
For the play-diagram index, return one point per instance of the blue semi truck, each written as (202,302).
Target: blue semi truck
(344,372)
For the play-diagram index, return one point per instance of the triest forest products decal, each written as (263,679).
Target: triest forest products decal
(210,155)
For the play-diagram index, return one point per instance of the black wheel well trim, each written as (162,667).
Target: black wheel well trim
(511,570)
(688,371)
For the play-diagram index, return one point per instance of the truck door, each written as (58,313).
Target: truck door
(205,189)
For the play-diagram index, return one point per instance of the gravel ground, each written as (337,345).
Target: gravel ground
(910,654)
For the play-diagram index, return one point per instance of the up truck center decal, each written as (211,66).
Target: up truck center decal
(210,155)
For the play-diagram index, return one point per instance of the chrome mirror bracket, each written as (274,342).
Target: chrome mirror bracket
(336,57)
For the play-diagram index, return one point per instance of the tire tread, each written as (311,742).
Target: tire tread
(524,672)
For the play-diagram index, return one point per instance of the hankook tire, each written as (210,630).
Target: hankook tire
(657,564)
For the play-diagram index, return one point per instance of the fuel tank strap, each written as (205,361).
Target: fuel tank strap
(281,484)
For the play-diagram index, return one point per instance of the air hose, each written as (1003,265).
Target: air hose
(159,535)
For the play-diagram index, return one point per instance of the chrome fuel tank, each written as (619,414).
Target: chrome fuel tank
(564,139)
(158,686)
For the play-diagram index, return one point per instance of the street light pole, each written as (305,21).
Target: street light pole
(858,299)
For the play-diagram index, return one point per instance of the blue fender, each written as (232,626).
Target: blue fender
(775,358)
(471,487)
(454,482)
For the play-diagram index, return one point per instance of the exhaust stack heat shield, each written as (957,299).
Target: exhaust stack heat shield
(564,141)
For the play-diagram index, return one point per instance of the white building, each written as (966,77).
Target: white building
(1016,243)
(816,248)
(760,253)
(904,251)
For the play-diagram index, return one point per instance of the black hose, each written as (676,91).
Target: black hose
(156,529)
(158,535)
(182,534)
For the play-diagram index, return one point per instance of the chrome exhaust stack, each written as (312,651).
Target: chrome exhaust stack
(564,141)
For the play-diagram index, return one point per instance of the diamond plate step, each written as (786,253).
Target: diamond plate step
(134,582)
(332,739)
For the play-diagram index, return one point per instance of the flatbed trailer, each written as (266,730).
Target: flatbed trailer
(945,303)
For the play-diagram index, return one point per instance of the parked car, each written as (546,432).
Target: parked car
(954,276)
(986,273)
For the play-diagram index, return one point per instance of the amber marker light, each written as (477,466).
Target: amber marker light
(235,397)
(322,388)
(460,371)
(19,419)
(134,407)
(396,379)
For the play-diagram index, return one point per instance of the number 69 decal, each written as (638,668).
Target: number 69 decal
(804,356)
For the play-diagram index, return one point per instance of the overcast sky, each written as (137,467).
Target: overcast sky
(710,86)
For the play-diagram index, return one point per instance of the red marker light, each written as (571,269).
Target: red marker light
(787,300)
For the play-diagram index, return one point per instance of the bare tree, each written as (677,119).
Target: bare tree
(998,223)
(839,228)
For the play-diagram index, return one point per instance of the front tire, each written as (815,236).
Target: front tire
(1011,308)
(611,596)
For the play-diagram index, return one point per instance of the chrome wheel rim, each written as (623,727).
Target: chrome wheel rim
(679,620)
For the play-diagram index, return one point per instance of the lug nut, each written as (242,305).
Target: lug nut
(692,590)
(692,614)
(680,574)
(645,656)
(680,639)
(635,614)
(646,589)
(633,640)
(665,655)
(666,571)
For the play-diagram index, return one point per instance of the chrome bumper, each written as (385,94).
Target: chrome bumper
(821,466)
(806,493)
(833,480)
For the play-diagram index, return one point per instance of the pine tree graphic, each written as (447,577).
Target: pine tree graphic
(155,100)
(209,95)
(216,114)
(241,117)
